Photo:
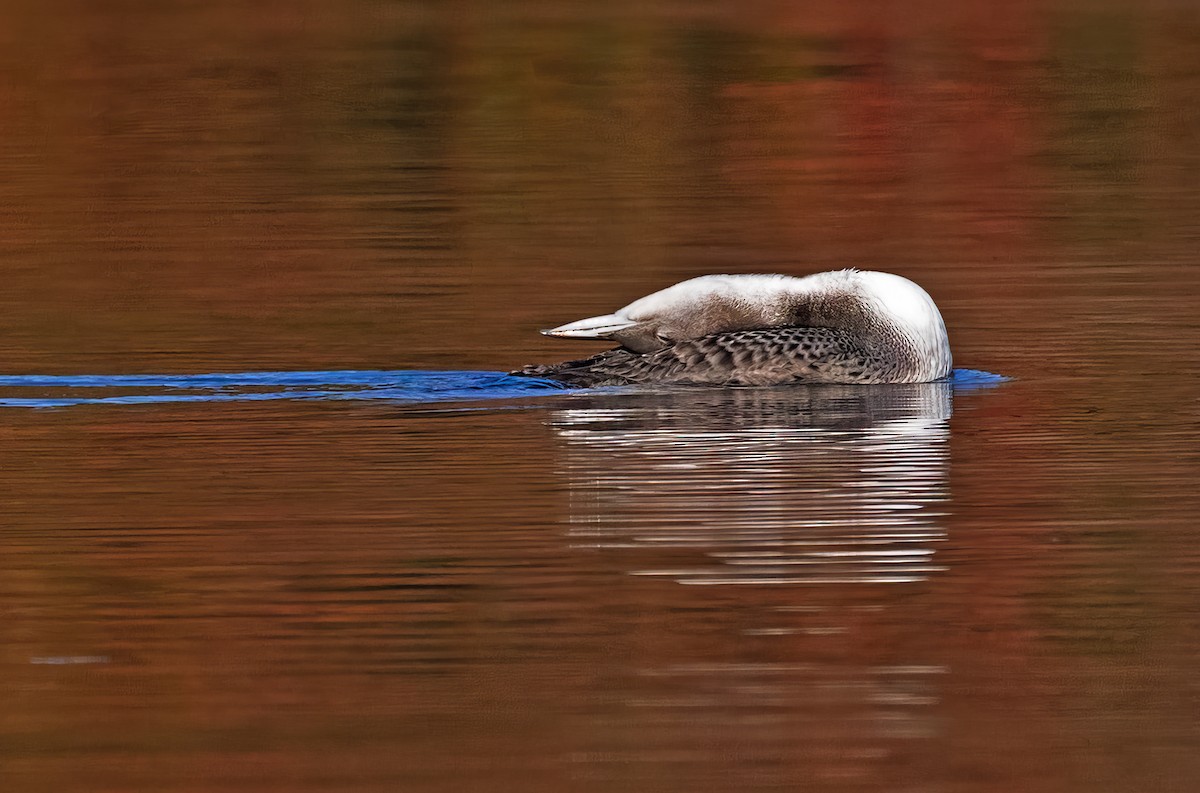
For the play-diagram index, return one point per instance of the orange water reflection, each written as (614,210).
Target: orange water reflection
(371,597)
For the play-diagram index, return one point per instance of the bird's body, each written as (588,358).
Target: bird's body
(837,327)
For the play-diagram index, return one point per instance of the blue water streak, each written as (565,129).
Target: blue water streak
(973,379)
(399,386)
(406,386)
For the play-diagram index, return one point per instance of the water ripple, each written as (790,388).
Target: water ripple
(825,485)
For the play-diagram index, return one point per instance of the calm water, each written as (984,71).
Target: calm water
(915,589)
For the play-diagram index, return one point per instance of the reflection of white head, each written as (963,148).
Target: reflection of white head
(892,316)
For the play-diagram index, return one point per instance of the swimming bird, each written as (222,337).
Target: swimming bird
(845,326)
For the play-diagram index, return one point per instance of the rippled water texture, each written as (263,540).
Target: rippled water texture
(273,519)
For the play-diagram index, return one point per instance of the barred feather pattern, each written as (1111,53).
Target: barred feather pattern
(770,356)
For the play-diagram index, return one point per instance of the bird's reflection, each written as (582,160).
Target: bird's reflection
(832,486)
(799,485)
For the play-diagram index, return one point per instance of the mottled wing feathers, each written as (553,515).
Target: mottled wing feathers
(749,357)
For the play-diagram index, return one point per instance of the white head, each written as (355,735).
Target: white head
(691,309)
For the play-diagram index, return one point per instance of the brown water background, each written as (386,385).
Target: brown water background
(903,589)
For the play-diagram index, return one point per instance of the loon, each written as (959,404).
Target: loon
(845,326)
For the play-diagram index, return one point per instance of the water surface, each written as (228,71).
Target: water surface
(264,533)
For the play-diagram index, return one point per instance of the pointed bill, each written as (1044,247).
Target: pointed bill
(592,328)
